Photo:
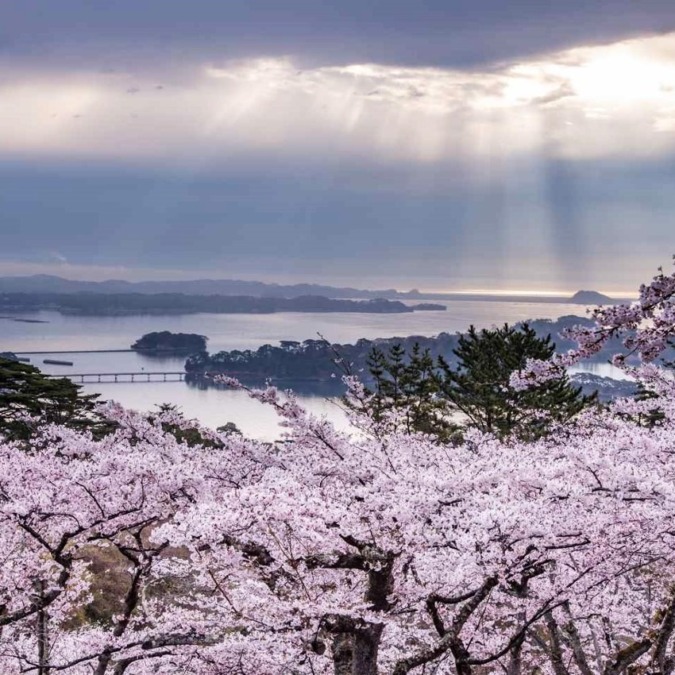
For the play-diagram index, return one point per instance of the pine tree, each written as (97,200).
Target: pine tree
(408,384)
(478,386)
(433,395)
(29,398)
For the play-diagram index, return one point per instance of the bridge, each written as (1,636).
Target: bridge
(109,378)
(74,351)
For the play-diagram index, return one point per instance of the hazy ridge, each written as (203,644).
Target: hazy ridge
(236,287)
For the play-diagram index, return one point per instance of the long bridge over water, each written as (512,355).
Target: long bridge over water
(109,378)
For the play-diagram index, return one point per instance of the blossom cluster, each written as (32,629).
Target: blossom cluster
(356,552)
(645,328)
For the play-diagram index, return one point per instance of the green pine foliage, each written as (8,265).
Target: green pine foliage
(439,397)
(408,383)
(478,386)
(29,398)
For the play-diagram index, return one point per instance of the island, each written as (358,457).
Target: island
(313,360)
(315,366)
(289,362)
(429,307)
(165,342)
(592,298)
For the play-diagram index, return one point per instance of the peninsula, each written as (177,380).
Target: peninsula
(311,364)
(122,304)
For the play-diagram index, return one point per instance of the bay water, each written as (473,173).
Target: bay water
(213,407)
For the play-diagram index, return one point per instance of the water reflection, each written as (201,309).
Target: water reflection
(214,406)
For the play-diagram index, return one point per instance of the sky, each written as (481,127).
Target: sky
(439,144)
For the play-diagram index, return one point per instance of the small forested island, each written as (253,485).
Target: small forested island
(166,342)
(313,359)
(428,307)
(304,365)
(122,304)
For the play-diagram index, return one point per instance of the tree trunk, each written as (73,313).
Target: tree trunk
(43,637)
(355,651)
(461,655)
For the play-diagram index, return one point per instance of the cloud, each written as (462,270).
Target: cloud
(543,224)
(544,170)
(169,35)
(586,102)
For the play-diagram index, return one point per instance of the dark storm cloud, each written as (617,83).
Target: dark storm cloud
(128,33)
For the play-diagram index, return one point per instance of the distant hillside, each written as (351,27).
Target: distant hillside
(42,283)
(606,387)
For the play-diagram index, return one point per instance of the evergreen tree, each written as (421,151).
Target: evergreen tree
(408,383)
(29,398)
(432,396)
(478,385)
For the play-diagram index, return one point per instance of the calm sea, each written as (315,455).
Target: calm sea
(215,407)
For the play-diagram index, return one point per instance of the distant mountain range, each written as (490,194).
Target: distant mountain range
(42,283)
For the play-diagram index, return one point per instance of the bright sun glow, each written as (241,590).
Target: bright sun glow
(623,76)
(575,104)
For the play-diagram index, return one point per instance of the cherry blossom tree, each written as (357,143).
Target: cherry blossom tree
(364,553)
(646,329)
(332,553)
(63,504)
(394,555)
